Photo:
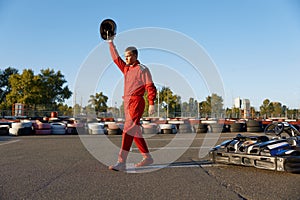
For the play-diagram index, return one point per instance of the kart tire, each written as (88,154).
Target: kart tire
(255,129)
(113,132)
(14,131)
(113,126)
(42,131)
(25,131)
(95,125)
(17,125)
(58,131)
(201,130)
(150,131)
(97,131)
(292,164)
(185,128)
(167,131)
(217,128)
(237,127)
(202,126)
(254,123)
(42,126)
(58,128)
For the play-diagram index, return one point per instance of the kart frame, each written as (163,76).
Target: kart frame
(278,153)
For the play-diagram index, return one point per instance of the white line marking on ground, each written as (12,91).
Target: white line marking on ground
(174,148)
(167,139)
(9,142)
(132,169)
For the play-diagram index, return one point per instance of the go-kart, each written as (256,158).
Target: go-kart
(278,149)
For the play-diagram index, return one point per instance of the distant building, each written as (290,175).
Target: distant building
(246,108)
(238,102)
(244,105)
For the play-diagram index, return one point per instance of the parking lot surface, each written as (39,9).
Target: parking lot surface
(62,167)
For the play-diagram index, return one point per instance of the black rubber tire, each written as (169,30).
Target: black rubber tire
(4,131)
(217,128)
(255,129)
(25,131)
(237,127)
(252,122)
(185,131)
(167,131)
(201,130)
(149,131)
(200,126)
(114,132)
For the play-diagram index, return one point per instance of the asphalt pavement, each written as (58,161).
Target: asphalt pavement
(64,167)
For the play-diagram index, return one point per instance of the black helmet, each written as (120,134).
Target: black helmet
(108,29)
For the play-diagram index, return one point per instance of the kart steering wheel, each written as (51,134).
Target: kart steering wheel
(274,128)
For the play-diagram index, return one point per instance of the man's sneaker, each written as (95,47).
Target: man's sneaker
(145,162)
(119,166)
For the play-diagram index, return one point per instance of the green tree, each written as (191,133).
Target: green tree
(169,102)
(64,109)
(52,85)
(216,105)
(265,108)
(98,102)
(205,108)
(213,106)
(25,89)
(233,113)
(5,87)
(41,91)
(192,107)
(277,109)
(253,112)
(77,109)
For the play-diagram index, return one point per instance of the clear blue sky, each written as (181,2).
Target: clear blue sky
(255,44)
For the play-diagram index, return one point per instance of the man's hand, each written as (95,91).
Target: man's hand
(110,39)
(151,109)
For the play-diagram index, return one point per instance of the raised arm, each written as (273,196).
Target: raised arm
(115,56)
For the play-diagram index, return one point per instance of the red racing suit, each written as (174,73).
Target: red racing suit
(137,80)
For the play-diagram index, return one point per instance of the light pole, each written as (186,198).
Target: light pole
(158,104)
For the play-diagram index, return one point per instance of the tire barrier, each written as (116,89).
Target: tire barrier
(74,127)
(41,128)
(21,128)
(185,128)
(218,128)
(4,130)
(113,128)
(96,129)
(150,128)
(168,129)
(200,128)
(58,128)
(238,127)
(254,126)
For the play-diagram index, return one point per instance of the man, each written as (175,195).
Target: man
(137,80)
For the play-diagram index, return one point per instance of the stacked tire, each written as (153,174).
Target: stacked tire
(168,128)
(4,129)
(238,127)
(41,128)
(96,129)
(217,128)
(20,128)
(150,128)
(58,128)
(113,128)
(254,126)
(200,128)
(185,128)
(71,129)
